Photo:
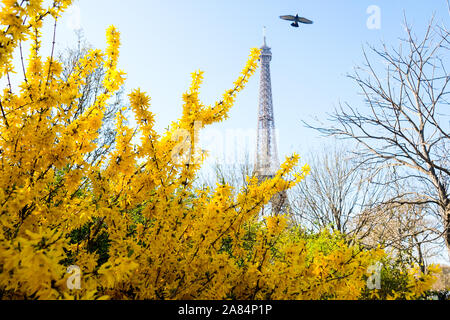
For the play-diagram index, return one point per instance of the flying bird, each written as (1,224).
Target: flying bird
(296,20)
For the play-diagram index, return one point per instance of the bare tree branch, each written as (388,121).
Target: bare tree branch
(405,123)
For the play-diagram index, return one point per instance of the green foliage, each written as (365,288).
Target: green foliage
(97,242)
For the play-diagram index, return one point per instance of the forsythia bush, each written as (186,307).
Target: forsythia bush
(132,222)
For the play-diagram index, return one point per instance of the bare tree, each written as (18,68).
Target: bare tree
(89,92)
(405,125)
(335,193)
(404,230)
(343,196)
(234,174)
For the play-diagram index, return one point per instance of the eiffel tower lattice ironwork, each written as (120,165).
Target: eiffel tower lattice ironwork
(267,162)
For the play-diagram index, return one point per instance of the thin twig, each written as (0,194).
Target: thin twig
(51,56)
(23,63)
(9,82)
(4,115)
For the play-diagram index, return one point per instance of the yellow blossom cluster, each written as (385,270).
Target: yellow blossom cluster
(132,223)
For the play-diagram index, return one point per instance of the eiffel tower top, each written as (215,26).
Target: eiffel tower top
(265,48)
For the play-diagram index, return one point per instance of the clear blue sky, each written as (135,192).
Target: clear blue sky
(164,41)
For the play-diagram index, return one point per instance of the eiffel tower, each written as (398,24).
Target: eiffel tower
(267,162)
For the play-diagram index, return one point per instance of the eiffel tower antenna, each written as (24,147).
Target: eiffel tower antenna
(267,162)
(265,35)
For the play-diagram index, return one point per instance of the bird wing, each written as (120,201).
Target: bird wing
(289,18)
(304,20)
